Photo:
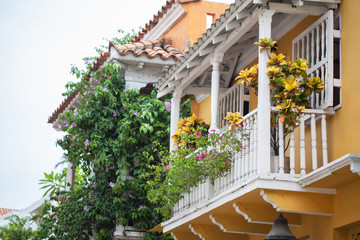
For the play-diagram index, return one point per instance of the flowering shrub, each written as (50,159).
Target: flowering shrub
(201,156)
(188,130)
(111,136)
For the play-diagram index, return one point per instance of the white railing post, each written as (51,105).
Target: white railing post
(302,145)
(324,139)
(209,189)
(281,147)
(175,115)
(215,85)
(313,142)
(263,155)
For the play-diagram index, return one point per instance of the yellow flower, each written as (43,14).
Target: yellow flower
(286,106)
(277,59)
(242,76)
(300,64)
(300,108)
(181,123)
(233,118)
(274,72)
(290,84)
(315,83)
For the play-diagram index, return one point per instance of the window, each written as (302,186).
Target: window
(319,44)
(210,19)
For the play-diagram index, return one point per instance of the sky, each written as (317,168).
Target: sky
(39,40)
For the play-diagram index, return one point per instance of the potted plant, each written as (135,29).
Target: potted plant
(291,90)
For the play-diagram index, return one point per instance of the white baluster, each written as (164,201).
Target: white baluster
(302,144)
(255,142)
(281,147)
(246,162)
(303,47)
(313,47)
(251,163)
(292,153)
(317,43)
(322,40)
(243,157)
(313,142)
(324,139)
(308,47)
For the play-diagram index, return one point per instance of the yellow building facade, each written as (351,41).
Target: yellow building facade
(320,196)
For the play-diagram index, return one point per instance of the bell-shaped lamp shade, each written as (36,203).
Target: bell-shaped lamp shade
(280,230)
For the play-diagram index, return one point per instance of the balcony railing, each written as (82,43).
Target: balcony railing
(245,163)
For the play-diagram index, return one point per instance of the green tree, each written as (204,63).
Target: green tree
(17,229)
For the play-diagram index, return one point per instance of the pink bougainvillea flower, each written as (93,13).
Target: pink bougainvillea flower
(168,167)
(240,146)
(93,185)
(85,92)
(75,113)
(198,133)
(168,106)
(111,184)
(228,160)
(86,62)
(91,74)
(115,114)
(74,136)
(136,113)
(85,208)
(219,154)
(105,89)
(141,207)
(86,142)
(125,90)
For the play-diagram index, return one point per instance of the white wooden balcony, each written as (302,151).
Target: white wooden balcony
(293,164)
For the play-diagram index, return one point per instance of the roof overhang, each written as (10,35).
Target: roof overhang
(232,37)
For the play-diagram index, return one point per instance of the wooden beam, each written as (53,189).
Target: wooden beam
(232,25)
(193,63)
(220,38)
(242,15)
(206,51)
(231,71)
(181,75)
(289,9)
(202,79)
(201,90)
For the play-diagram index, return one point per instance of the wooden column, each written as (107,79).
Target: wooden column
(215,85)
(175,114)
(265,18)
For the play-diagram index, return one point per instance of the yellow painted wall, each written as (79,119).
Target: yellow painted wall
(189,29)
(343,128)
(347,205)
(204,110)
(193,24)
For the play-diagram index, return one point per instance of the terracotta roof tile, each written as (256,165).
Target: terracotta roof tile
(4,211)
(151,49)
(160,47)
